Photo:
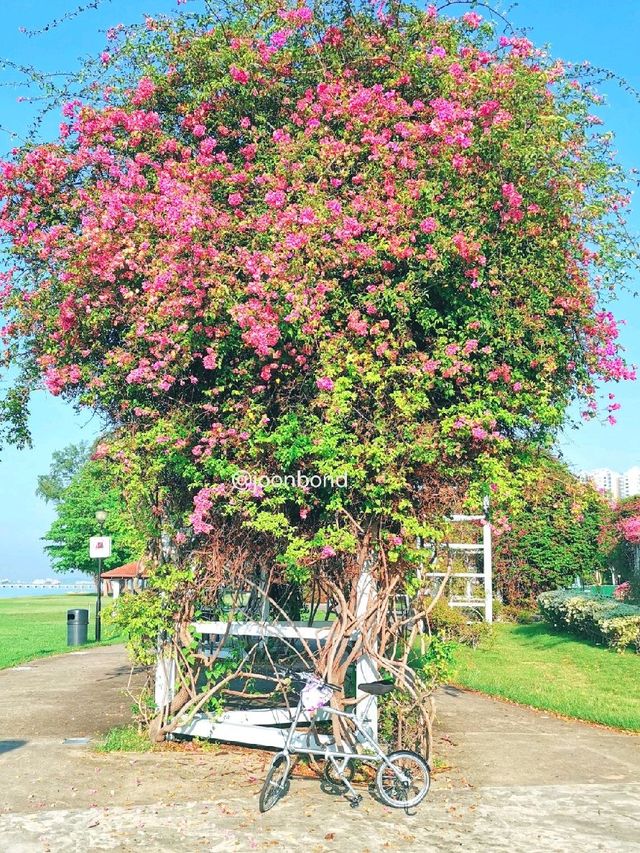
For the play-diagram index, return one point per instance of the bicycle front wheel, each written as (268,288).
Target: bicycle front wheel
(404,781)
(276,785)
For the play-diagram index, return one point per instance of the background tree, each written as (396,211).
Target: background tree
(65,464)
(553,535)
(623,540)
(79,486)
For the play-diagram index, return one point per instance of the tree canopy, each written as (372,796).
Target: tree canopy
(66,463)
(79,486)
(365,244)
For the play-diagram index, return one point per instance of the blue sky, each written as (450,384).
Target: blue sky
(603,33)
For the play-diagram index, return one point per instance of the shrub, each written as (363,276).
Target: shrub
(603,620)
(452,624)
(515,614)
(623,540)
(390,250)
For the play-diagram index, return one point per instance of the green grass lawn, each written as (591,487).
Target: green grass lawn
(533,665)
(36,626)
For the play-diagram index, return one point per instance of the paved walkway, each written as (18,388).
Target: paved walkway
(519,781)
(490,742)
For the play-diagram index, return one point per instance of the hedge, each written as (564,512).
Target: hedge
(604,620)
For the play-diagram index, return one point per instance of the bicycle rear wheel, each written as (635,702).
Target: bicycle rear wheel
(406,782)
(333,777)
(276,785)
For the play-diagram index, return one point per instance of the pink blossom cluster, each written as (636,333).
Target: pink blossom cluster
(630,528)
(622,591)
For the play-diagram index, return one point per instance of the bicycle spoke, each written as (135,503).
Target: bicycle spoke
(402,789)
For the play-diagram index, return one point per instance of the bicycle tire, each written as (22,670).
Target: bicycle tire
(392,791)
(276,783)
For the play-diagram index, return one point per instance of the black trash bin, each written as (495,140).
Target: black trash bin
(77,627)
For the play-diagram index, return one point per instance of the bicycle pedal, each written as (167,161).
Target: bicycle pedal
(355,802)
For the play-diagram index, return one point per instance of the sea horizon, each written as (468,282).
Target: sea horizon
(16,591)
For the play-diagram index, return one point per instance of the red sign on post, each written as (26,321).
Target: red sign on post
(100,546)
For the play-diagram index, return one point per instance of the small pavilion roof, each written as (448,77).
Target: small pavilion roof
(129,570)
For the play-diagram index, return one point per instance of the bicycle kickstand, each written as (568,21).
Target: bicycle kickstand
(355,799)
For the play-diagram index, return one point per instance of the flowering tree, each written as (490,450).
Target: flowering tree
(629,526)
(357,244)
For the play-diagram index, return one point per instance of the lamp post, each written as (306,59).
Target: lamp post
(101,517)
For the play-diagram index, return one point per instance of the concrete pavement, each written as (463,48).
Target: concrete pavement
(519,780)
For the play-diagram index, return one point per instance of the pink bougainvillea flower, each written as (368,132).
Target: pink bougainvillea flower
(630,528)
(428,225)
(209,361)
(622,591)
(238,74)
(472,20)
(299,16)
(275,198)
(279,38)
(324,383)
(145,90)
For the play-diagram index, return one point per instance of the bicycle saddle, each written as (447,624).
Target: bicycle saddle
(377,688)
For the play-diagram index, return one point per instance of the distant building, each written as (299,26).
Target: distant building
(605,480)
(612,483)
(630,482)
